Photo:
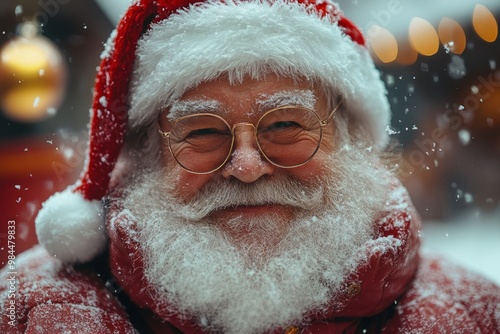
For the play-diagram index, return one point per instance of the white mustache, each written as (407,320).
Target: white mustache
(278,190)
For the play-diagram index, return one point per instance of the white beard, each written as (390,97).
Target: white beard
(200,273)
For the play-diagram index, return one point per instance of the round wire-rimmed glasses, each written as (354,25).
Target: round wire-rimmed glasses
(287,137)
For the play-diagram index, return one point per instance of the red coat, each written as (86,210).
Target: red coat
(394,292)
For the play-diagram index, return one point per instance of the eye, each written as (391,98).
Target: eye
(201,132)
(282,125)
(205,132)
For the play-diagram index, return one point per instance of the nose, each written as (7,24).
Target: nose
(246,162)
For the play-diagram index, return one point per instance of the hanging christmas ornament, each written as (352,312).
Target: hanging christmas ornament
(33,76)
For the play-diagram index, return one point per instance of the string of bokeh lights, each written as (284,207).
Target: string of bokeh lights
(424,39)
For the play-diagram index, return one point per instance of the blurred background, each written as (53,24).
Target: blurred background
(440,61)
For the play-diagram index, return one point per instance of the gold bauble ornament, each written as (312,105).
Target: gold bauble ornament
(32,76)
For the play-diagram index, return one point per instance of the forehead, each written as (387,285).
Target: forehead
(250,95)
(223,89)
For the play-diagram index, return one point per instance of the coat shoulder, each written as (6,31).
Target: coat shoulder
(447,298)
(40,294)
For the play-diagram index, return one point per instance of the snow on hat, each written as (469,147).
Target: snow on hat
(161,48)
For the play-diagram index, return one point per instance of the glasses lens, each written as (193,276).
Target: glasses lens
(289,136)
(200,143)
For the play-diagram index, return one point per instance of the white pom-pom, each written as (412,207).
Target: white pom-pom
(71,228)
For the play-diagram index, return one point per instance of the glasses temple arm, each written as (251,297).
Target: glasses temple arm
(325,121)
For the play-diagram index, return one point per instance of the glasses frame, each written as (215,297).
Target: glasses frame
(322,123)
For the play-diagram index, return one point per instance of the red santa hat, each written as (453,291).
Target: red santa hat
(161,48)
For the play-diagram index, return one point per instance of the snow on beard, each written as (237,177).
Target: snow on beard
(201,273)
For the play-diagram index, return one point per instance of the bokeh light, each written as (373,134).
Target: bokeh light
(383,44)
(484,23)
(452,36)
(423,37)
(32,78)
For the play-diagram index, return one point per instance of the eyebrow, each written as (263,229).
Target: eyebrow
(182,108)
(304,98)
(298,97)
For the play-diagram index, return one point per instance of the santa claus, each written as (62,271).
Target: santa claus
(237,182)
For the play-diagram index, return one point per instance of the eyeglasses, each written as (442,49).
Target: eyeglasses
(287,137)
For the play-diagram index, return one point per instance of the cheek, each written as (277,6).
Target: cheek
(186,185)
(315,168)
(320,164)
